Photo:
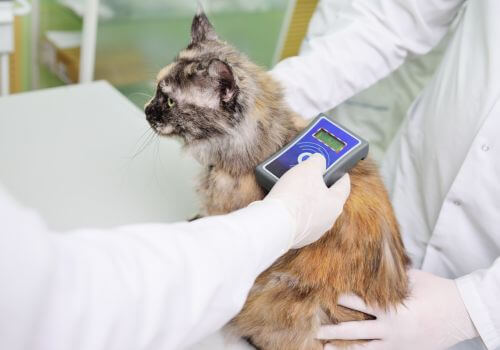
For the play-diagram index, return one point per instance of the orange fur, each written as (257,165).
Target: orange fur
(291,299)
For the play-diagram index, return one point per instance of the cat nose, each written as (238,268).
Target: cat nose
(149,109)
(153,113)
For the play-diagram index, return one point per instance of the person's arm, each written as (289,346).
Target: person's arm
(361,44)
(140,285)
(150,286)
(480,292)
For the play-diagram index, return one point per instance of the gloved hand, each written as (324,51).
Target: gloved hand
(314,206)
(433,318)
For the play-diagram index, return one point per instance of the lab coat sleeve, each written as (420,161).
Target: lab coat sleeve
(137,287)
(355,46)
(480,292)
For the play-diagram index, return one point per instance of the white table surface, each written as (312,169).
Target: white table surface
(69,153)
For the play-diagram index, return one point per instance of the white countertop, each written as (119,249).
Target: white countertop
(69,153)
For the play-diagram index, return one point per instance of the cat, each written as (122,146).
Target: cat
(231,115)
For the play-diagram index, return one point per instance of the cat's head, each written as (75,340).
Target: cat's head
(204,93)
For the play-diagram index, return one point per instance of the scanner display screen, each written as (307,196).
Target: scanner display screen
(330,140)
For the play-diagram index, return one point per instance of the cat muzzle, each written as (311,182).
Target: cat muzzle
(154,115)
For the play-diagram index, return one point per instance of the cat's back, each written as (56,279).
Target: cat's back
(362,253)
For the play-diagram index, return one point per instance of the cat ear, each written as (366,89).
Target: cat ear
(221,70)
(201,28)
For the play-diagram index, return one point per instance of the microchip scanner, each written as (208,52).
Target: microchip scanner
(341,148)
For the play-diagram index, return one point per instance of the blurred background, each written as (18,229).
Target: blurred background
(126,42)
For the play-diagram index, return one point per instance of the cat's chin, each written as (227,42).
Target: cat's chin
(165,130)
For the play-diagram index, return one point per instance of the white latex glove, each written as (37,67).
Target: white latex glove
(434,317)
(314,206)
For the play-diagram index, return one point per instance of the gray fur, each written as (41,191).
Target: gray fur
(202,29)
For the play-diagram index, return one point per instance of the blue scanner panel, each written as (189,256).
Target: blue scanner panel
(308,145)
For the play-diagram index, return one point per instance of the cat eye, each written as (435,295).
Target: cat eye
(170,102)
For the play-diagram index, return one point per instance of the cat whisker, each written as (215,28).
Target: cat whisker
(145,135)
(149,96)
(145,97)
(151,135)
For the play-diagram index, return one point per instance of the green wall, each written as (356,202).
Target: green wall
(156,40)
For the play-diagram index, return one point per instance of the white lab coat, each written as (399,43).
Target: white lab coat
(135,287)
(443,167)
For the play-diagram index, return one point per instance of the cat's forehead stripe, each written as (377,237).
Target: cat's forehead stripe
(165,71)
(177,74)
(189,54)
(184,73)
(165,88)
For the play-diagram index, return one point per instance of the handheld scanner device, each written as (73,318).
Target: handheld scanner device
(341,148)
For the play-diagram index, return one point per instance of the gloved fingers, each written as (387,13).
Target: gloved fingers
(354,302)
(352,330)
(372,345)
(312,168)
(315,164)
(342,188)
